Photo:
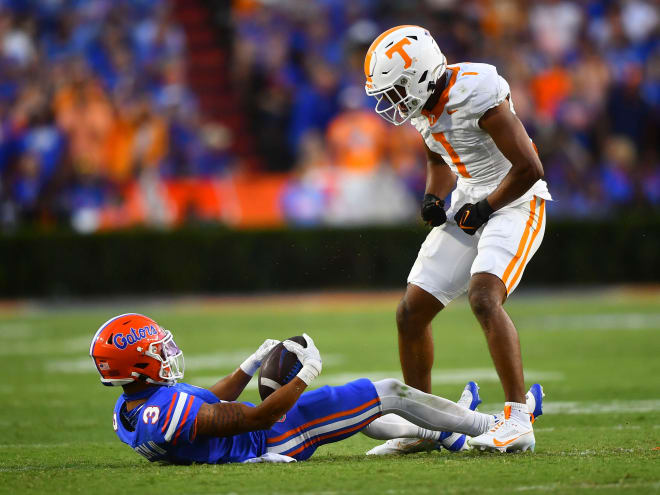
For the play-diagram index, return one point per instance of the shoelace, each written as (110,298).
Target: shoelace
(497,425)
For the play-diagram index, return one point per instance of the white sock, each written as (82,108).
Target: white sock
(429,411)
(393,426)
(519,412)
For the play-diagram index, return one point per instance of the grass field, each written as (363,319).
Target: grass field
(597,355)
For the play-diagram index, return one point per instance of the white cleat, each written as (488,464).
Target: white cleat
(506,436)
(404,446)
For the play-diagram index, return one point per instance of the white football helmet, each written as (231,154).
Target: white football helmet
(402,66)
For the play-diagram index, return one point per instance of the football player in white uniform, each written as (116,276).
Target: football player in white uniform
(477,147)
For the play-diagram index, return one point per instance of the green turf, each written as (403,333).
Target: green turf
(597,351)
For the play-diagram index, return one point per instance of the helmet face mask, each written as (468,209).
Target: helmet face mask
(401,67)
(169,355)
(395,105)
(131,348)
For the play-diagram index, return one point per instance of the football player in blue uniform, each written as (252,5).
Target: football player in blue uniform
(164,420)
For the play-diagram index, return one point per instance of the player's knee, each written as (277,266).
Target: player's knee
(408,318)
(402,314)
(389,387)
(483,302)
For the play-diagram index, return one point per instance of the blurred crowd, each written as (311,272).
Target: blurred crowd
(93,96)
(584,75)
(95,101)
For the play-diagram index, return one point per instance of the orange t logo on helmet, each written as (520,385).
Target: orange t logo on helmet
(398,48)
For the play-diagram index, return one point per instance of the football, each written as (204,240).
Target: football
(279,368)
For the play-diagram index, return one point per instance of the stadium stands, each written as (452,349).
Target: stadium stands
(116,113)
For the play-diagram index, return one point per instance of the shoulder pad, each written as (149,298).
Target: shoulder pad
(478,88)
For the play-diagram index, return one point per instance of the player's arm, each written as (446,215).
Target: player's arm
(225,419)
(230,387)
(231,418)
(440,181)
(513,141)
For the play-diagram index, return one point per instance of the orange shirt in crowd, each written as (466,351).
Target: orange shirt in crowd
(404,149)
(356,140)
(86,116)
(550,88)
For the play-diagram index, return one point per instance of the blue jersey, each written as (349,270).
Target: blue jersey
(165,429)
(164,426)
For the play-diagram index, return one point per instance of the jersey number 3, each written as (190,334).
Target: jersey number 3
(151,413)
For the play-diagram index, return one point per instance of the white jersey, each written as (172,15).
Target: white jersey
(452,130)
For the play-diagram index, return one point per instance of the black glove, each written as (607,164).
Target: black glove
(470,217)
(433,210)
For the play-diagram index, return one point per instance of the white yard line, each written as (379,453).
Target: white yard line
(589,407)
(598,321)
(50,347)
(619,427)
(457,377)
(551,487)
(216,360)
(15,331)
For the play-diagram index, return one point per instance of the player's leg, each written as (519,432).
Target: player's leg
(406,437)
(508,241)
(331,414)
(429,411)
(396,428)
(486,295)
(392,426)
(413,319)
(440,273)
(325,415)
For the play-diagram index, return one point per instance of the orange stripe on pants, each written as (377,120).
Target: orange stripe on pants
(539,223)
(339,414)
(316,440)
(523,241)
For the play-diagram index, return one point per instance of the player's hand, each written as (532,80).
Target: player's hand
(251,364)
(309,357)
(472,216)
(433,210)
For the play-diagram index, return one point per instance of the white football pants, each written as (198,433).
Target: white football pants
(411,413)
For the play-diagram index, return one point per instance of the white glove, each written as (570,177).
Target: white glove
(251,364)
(309,357)
(270,457)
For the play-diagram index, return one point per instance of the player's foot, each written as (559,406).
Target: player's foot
(470,396)
(405,446)
(454,442)
(506,434)
(534,399)
(509,435)
(457,442)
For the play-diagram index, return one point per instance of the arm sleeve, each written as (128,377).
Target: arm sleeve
(177,424)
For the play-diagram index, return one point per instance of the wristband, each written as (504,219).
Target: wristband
(249,366)
(307,374)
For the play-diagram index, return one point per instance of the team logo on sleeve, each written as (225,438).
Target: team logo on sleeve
(151,414)
(114,422)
